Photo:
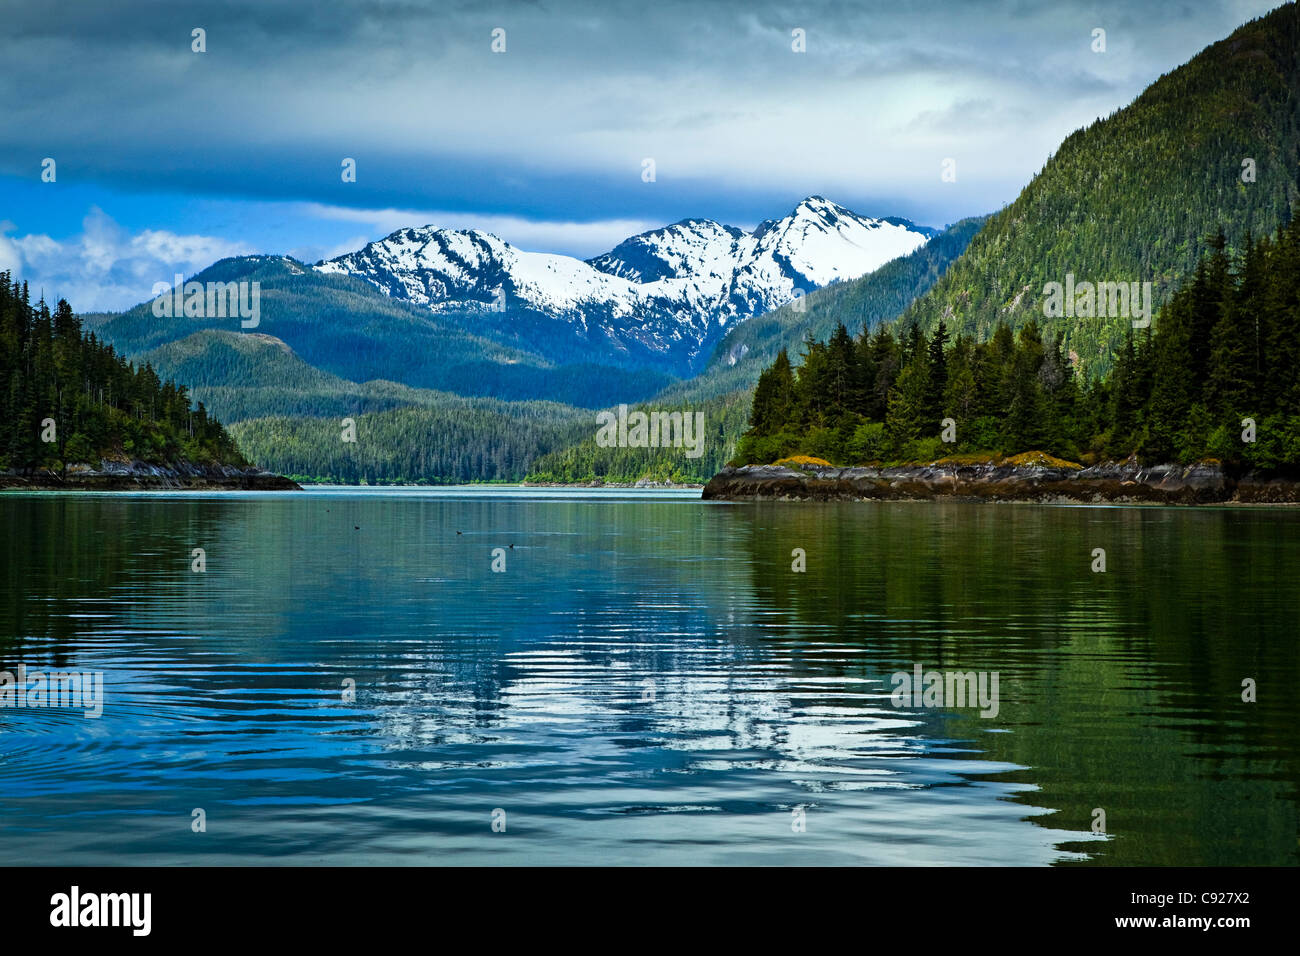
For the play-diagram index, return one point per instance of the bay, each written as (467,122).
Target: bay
(646,682)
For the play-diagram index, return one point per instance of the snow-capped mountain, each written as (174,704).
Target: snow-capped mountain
(667,294)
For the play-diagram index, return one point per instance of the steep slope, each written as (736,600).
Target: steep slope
(416,346)
(71,400)
(1136,196)
(723,391)
(345,328)
(660,299)
(748,348)
(1218,383)
(686,248)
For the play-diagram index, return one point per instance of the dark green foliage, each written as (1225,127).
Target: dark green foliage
(1226,348)
(101,405)
(584,460)
(1141,194)
(752,345)
(453,440)
(773,396)
(753,357)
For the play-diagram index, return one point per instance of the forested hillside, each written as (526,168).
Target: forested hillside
(1217,378)
(722,392)
(582,459)
(67,398)
(245,375)
(453,440)
(345,328)
(1136,196)
(750,346)
(332,347)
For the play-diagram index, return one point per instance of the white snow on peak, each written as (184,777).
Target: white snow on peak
(690,278)
(827,243)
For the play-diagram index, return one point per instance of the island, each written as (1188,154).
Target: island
(1046,481)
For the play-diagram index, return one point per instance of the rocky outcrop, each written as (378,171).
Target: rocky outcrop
(1109,482)
(602,483)
(141,476)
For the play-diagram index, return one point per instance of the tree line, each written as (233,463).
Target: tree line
(458,440)
(1216,377)
(66,397)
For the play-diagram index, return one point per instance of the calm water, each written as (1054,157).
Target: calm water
(647,681)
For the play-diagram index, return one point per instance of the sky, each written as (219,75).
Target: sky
(167,159)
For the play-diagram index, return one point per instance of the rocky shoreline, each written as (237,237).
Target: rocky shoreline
(140,476)
(601,483)
(1123,482)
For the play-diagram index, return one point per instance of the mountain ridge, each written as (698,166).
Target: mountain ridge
(662,297)
(1140,194)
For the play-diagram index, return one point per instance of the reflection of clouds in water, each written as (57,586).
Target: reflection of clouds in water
(525,690)
(758,719)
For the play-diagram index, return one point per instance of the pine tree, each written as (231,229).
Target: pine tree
(961,397)
(1026,424)
(773,397)
(887,357)
(938,372)
(1225,346)
(906,419)
(841,374)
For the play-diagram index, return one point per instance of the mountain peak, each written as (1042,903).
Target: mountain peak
(819,205)
(670,290)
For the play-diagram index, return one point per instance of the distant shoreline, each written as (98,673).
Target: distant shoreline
(633,485)
(1111,483)
(642,484)
(141,476)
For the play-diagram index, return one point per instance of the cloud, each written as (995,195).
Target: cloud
(556,127)
(105,268)
(962,115)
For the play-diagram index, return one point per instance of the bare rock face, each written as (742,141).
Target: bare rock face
(1109,482)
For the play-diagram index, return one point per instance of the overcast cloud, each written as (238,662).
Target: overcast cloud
(544,143)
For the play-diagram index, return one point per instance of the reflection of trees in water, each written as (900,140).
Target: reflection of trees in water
(69,561)
(1122,689)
